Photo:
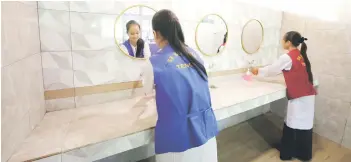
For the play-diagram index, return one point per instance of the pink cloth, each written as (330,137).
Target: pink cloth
(247,77)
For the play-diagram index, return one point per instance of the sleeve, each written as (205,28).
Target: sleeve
(124,49)
(283,63)
(147,52)
(147,77)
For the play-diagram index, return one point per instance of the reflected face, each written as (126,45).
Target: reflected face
(134,33)
(132,25)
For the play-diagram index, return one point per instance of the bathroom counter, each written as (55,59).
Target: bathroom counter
(98,131)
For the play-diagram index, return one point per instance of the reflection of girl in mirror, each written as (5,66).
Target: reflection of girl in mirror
(186,126)
(135,46)
(220,48)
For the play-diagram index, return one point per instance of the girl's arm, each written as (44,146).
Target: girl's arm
(283,63)
(147,79)
(147,52)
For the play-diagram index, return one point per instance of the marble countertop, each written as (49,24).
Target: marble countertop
(120,126)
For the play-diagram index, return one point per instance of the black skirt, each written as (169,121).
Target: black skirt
(296,143)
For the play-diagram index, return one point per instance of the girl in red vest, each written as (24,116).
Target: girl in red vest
(296,141)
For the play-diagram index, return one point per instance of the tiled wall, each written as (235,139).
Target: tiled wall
(329,51)
(78,49)
(22,105)
(236,15)
(78,45)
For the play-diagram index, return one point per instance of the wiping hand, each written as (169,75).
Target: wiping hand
(254,70)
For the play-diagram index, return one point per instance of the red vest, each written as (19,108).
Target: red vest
(296,78)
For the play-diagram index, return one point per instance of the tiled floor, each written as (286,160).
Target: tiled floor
(252,141)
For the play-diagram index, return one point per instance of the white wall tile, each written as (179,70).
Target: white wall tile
(92,31)
(20,32)
(12,140)
(326,107)
(335,65)
(106,7)
(22,91)
(319,24)
(54,30)
(330,127)
(54,5)
(103,67)
(34,89)
(294,22)
(32,4)
(271,37)
(335,87)
(334,42)
(57,70)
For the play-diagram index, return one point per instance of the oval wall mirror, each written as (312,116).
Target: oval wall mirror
(133,32)
(211,35)
(252,36)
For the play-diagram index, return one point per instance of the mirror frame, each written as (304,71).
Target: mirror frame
(196,37)
(114,28)
(242,33)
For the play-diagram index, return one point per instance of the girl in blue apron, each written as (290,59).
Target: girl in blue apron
(296,141)
(135,46)
(186,126)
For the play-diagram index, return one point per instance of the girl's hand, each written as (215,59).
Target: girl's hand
(254,71)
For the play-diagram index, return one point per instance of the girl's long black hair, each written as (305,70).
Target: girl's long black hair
(166,23)
(224,41)
(296,39)
(140,43)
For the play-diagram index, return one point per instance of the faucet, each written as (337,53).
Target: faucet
(250,66)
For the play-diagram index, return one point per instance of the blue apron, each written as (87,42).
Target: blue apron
(185,116)
(130,50)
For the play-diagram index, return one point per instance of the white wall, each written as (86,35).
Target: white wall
(77,52)
(236,15)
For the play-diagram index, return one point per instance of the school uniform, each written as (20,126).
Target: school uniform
(297,131)
(186,126)
(131,50)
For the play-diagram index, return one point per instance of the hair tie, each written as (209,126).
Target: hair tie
(303,39)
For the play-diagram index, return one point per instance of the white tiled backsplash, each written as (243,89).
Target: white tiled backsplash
(77,40)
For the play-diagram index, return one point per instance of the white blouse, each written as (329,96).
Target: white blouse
(147,52)
(300,112)
(283,63)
